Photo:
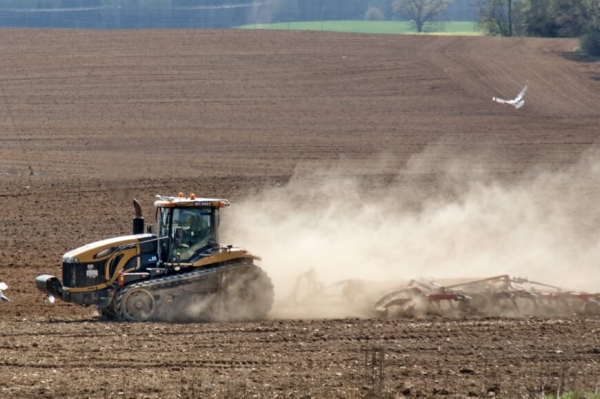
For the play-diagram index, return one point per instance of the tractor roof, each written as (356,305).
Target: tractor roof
(192,201)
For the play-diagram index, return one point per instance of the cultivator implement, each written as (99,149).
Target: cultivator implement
(500,295)
(495,296)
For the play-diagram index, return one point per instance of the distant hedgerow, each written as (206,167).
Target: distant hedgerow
(590,42)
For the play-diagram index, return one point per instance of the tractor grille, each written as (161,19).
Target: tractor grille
(83,274)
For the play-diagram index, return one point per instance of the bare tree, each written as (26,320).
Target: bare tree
(421,11)
(500,17)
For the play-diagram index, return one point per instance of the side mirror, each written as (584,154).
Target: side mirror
(178,236)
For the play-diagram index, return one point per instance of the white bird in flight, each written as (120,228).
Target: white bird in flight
(3,287)
(516,102)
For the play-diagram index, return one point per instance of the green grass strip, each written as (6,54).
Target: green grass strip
(387,27)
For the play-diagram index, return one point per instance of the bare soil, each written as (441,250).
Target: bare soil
(91,119)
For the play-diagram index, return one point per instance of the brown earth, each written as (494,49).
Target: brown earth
(91,119)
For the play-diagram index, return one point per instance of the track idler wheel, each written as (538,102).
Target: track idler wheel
(137,305)
(246,295)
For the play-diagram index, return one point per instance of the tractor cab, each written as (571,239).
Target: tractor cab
(191,223)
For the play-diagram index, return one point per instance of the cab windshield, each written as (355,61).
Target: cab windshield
(198,234)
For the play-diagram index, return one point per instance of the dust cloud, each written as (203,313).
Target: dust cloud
(463,222)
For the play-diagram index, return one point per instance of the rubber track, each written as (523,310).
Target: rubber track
(156,284)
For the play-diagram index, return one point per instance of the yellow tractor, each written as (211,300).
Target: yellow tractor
(179,274)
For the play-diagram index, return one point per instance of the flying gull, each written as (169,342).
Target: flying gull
(3,287)
(516,102)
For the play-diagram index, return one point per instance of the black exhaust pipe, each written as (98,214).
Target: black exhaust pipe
(138,220)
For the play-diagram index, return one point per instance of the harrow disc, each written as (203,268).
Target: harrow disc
(591,308)
(477,305)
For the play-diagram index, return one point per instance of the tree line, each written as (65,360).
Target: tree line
(542,18)
(127,14)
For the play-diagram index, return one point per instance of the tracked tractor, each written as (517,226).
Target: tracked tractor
(179,273)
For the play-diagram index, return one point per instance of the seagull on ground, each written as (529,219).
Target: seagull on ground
(3,287)
(516,102)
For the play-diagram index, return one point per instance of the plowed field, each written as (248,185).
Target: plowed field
(360,156)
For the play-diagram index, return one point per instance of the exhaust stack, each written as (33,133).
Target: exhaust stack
(138,220)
